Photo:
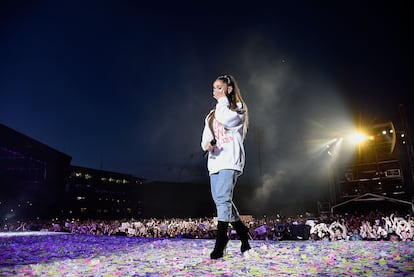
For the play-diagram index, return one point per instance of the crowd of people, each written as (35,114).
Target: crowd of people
(371,226)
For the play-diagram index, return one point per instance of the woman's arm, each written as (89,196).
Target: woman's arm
(226,116)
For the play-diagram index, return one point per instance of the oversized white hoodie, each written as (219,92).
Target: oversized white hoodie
(228,131)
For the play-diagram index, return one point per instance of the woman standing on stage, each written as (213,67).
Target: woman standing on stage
(223,135)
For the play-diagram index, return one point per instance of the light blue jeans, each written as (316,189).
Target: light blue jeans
(222,186)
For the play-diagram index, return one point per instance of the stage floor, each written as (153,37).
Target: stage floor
(61,254)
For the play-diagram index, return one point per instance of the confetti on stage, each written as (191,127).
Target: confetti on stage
(31,254)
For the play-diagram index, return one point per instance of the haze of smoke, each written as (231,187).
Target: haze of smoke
(282,101)
(271,184)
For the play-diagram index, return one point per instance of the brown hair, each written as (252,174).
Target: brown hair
(234,97)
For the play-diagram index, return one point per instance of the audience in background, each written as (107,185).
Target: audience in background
(373,226)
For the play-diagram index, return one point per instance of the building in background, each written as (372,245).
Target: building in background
(32,176)
(92,193)
(37,181)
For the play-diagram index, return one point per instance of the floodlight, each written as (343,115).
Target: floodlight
(357,137)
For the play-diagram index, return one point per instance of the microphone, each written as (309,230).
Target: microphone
(212,142)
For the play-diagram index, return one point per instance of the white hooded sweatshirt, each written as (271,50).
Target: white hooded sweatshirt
(228,132)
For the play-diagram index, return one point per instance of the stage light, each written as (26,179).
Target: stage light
(384,132)
(357,138)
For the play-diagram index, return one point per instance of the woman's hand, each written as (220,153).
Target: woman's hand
(209,147)
(219,93)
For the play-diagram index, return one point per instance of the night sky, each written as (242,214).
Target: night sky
(124,86)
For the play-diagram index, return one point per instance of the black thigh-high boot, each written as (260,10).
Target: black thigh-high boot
(243,234)
(221,240)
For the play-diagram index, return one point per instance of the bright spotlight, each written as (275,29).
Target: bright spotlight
(357,138)
(384,132)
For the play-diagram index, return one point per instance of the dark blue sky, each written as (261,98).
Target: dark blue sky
(125,86)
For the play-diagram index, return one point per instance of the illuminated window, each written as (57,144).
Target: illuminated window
(78,174)
(103,179)
(80,198)
(88,176)
(83,210)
